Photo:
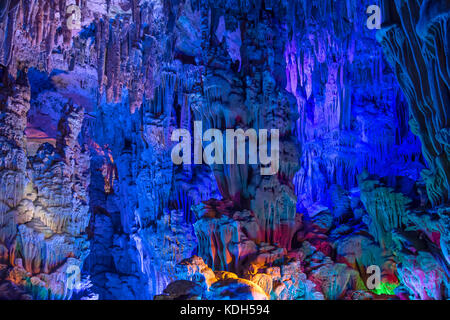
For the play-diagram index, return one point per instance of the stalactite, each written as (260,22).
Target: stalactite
(88,182)
(403,41)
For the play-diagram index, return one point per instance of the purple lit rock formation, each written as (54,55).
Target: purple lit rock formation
(92,206)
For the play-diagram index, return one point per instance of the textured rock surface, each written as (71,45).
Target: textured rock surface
(46,203)
(424,37)
(92,206)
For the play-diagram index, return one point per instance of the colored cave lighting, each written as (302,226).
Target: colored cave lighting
(227,149)
(386,288)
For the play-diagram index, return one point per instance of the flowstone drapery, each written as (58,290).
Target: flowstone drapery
(93,205)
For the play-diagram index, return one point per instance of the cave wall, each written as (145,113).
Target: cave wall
(92,205)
